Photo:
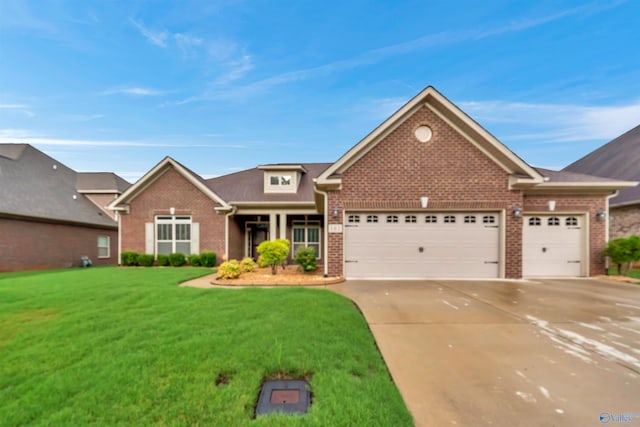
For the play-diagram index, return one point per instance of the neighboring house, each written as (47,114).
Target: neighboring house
(619,159)
(50,215)
(428,193)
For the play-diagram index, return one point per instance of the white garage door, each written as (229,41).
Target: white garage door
(552,246)
(418,245)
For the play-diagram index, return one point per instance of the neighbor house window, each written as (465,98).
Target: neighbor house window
(104,247)
(173,234)
(306,235)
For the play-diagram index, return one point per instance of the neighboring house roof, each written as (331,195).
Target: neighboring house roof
(34,185)
(101,182)
(455,117)
(247,186)
(619,159)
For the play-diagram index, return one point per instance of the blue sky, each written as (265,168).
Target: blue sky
(226,85)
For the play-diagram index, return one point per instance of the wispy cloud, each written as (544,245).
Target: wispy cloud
(135,91)
(555,123)
(20,108)
(158,38)
(187,43)
(441,39)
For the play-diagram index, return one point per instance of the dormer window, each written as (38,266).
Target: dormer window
(282,178)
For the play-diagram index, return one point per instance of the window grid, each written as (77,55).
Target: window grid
(353,219)
(534,221)
(470,219)
(104,247)
(488,219)
(553,221)
(412,219)
(449,219)
(173,234)
(572,221)
(372,218)
(392,219)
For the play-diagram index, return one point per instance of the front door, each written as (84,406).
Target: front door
(256,233)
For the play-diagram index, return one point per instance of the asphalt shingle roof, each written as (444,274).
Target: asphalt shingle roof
(618,159)
(248,186)
(35,185)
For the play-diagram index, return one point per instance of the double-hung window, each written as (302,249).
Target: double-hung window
(104,246)
(306,234)
(173,234)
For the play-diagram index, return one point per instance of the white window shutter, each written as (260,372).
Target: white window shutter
(195,238)
(149,238)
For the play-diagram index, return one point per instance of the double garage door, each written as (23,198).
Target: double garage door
(458,245)
(418,245)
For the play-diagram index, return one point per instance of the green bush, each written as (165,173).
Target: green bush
(262,263)
(274,252)
(129,258)
(208,259)
(163,260)
(177,259)
(194,260)
(145,260)
(229,270)
(247,265)
(305,257)
(624,250)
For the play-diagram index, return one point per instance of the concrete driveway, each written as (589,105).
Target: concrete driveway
(506,353)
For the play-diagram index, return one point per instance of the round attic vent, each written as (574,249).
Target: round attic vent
(423,133)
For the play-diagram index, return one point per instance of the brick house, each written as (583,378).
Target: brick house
(51,215)
(618,159)
(428,193)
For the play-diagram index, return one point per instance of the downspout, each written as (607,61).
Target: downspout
(606,227)
(325,255)
(227,216)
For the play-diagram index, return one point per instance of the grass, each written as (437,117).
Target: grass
(109,346)
(635,273)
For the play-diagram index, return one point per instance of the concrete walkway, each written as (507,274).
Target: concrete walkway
(505,353)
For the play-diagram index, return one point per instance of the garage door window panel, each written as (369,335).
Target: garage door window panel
(392,219)
(372,219)
(431,219)
(535,221)
(553,221)
(410,219)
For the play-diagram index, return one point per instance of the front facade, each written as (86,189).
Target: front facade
(429,193)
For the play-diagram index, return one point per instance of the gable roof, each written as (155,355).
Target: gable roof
(619,159)
(247,186)
(121,203)
(37,186)
(455,117)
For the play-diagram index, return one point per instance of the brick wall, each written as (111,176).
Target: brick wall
(624,221)
(451,171)
(31,245)
(587,204)
(173,190)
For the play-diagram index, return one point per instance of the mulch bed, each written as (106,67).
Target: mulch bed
(291,275)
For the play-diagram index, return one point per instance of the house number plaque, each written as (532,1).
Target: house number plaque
(335,228)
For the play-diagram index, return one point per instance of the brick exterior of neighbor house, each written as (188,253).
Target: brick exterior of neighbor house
(624,221)
(172,190)
(37,245)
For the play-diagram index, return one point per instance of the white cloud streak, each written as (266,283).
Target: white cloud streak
(556,123)
(135,91)
(20,108)
(158,38)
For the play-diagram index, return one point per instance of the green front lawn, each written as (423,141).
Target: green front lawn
(110,346)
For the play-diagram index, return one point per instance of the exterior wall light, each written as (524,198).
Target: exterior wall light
(424,202)
(601,214)
(335,211)
(517,211)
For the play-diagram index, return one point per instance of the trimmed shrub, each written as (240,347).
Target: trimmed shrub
(194,260)
(163,260)
(129,258)
(274,252)
(262,263)
(177,259)
(305,257)
(208,259)
(247,265)
(145,260)
(229,270)
(624,250)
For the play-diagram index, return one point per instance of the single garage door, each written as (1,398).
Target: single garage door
(418,245)
(552,245)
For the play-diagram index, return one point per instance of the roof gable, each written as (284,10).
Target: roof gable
(453,116)
(121,203)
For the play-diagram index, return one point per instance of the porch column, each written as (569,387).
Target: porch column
(283,226)
(273,229)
